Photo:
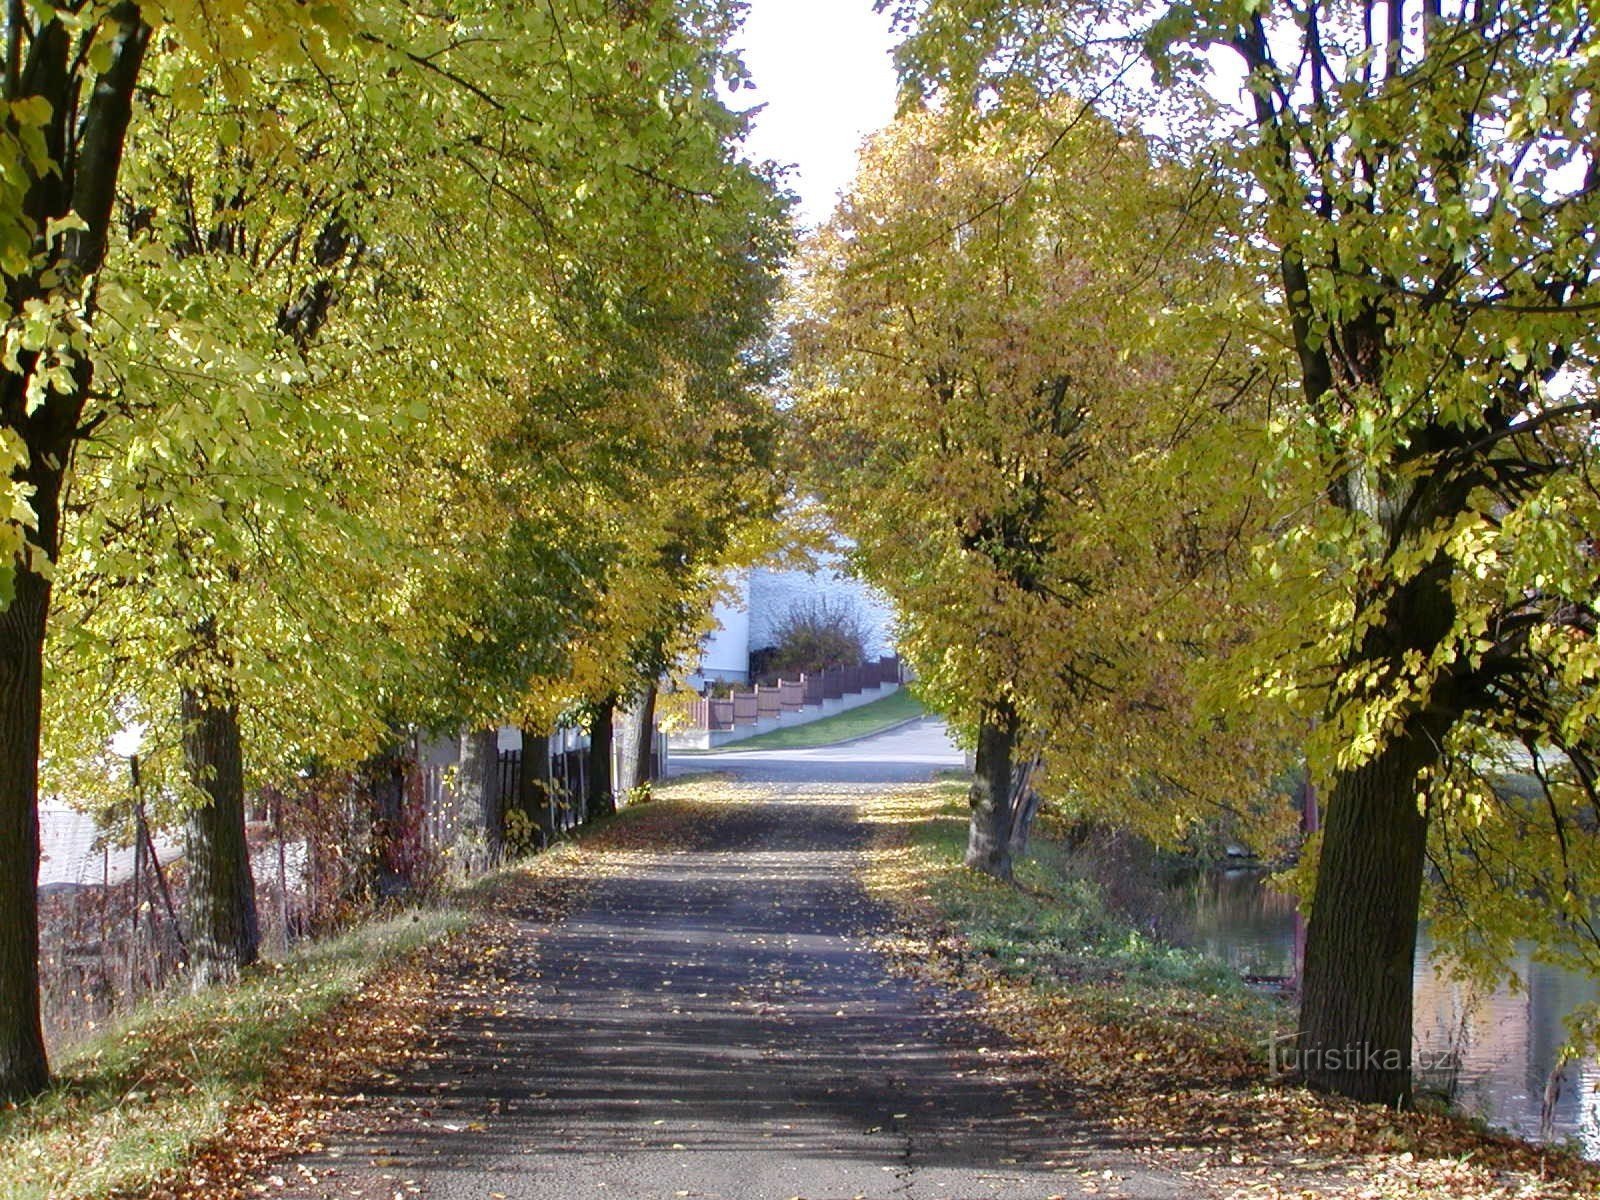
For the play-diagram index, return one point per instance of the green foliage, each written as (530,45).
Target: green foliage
(292,452)
(364,369)
(1018,398)
(519,835)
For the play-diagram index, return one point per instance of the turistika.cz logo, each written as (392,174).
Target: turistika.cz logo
(1286,1057)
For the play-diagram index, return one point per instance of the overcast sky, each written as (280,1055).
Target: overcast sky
(823,69)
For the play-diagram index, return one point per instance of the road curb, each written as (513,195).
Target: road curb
(860,737)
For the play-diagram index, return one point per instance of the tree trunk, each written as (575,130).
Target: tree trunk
(625,735)
(644,748)
(990,828)
(535,787)
(635,737)
(84,139)
(392,860)
(224,934)
(601,800)
(1361,942)
(24,1070)
(480,795)
(1024,808)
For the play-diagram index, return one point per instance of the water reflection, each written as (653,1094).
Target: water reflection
(1506,1042)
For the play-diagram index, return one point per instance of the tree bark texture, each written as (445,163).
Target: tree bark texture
(1025,807)
(635,739)
(535,785)
(481,806)
(990,828)
(1355,1030)
(1356,1007)
(601,800)
(224,933)
(23,1066)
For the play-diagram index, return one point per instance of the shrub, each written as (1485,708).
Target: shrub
(817,635)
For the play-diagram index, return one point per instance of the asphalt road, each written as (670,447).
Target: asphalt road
(715,1023)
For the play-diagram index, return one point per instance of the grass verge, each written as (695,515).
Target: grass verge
(132,1103)
(894,709)
(1158,1043)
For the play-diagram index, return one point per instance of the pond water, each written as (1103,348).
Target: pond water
(1505,1043)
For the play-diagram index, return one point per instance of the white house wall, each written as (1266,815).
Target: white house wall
(774,593)
(727,651)
(759,601)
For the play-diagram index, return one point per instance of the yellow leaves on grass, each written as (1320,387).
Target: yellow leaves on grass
(1186,1090)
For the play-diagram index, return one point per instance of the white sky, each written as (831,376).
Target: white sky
(823,69)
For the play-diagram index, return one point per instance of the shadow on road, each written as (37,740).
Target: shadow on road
(716,1024)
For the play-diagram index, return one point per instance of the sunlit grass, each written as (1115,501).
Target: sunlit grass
(1160,1043)
(1053,927)
(134,1101)
(894,709)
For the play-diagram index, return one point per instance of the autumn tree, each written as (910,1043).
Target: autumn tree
(999,379)
(292,483)
(71,76)
(1426,201)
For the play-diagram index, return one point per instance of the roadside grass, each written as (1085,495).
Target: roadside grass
(894,709)
(1054,930)
(133,1102)
(1161,1044)
(135,1105)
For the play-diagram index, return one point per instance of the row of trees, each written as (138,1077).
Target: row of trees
(362,372)
(1213,386)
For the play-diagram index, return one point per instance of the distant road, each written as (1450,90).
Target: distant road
(909,754)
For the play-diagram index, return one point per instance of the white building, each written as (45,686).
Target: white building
(764,597)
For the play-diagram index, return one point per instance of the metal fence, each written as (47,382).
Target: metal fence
(565,778)
(323,854)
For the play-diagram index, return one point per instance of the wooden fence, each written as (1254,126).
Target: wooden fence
(774,696)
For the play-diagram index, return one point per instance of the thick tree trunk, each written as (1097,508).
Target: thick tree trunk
(644,748)
(385,774)
(1356,1000)
(601,800)
(635,737)
(480,795)
(535,786)
(990,828)
(23,1066)
(1356,1007)
(224,934)
(84,139)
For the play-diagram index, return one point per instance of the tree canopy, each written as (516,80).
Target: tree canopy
(1422,194)
(998,366)
(369,370)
